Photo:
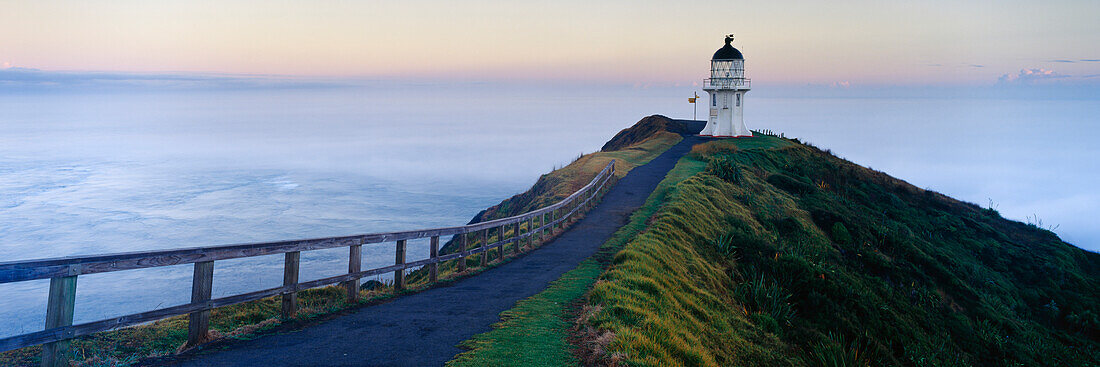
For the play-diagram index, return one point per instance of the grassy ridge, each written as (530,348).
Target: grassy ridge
(664,300)
(782,254)
(556,185)
(535,331)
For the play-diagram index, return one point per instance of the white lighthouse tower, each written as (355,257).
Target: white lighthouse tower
(727,86)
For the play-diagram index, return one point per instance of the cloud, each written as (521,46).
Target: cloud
(1090,60)
(6,65)
(1063,60)
(23,79)
(1028,76)
(841,84)
(953,65)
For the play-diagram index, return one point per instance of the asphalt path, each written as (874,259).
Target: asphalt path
(424,329)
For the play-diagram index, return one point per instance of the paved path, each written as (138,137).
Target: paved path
(423,329)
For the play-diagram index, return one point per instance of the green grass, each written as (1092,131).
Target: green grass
(535,331)
(668,302)
(876,271)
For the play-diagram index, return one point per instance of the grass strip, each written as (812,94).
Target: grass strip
(535,332)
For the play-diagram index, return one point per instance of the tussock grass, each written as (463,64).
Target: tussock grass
(762,296)
(835,352)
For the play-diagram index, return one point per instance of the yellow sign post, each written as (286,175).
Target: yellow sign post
(694,106)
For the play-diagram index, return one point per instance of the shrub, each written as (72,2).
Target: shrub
(759,295)
(790,184)
(745,239)
(766,322)
(725,168)
(840,234)
(725,244)
(835,353)
(371,285)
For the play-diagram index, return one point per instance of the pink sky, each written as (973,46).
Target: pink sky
(854,42)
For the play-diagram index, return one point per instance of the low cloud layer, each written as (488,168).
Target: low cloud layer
(28,79)
(1027,76)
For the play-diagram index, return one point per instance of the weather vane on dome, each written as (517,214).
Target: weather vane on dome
(729,38)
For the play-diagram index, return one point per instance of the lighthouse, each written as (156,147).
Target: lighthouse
(726,86)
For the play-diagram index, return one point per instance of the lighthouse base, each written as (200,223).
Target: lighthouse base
(725,136)
(726,118)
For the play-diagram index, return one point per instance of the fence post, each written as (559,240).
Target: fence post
(399,274)
(545,228)
(515,235)
(59,312)
(355,265)
(554,215)
(532,232)
(433,269)
(202,284)
(290,278)
(588,201)
(500,238)
(573,205)
(462,248)
(530,241)
(485,247)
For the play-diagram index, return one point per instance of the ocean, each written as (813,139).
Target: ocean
(87,172)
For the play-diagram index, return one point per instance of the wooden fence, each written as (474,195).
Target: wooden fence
(63,271)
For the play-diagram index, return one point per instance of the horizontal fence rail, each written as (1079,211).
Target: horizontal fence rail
(63,271)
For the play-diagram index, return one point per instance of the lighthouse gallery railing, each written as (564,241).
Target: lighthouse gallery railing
(63,271)
(727,83)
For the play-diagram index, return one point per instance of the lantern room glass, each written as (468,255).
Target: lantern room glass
(727,69)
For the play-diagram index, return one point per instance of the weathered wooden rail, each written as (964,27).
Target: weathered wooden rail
(63,271)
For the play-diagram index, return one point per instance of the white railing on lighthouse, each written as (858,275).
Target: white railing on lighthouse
(726,83)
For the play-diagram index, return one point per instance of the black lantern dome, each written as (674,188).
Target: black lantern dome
(727,52)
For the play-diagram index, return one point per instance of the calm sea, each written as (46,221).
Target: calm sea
(88,173)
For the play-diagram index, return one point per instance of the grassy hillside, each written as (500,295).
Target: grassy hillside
(778,253)
(643,145)
(644,129)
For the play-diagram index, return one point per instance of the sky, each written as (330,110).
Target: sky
(839,43)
